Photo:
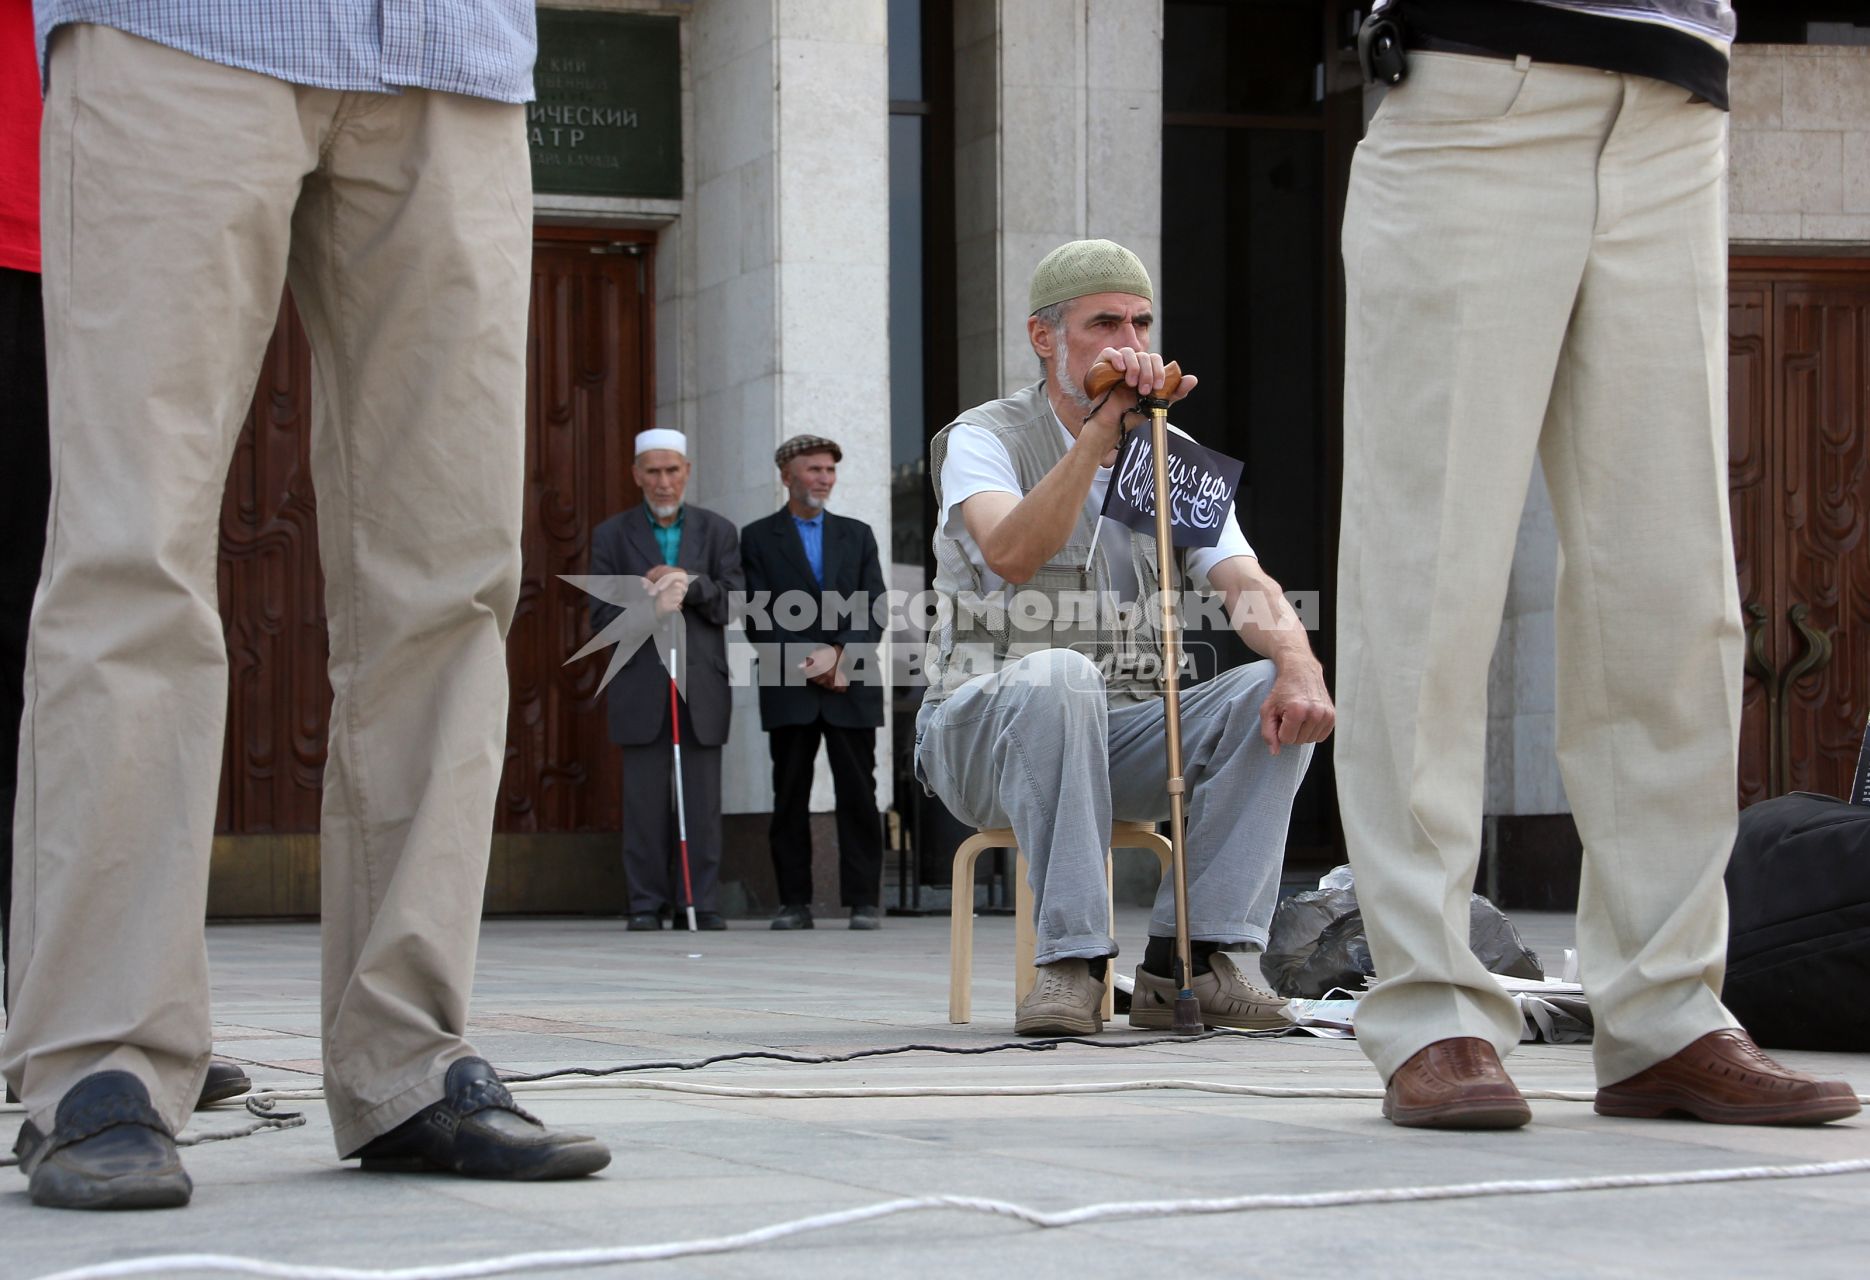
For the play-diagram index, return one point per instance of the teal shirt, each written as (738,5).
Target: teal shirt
(668,539)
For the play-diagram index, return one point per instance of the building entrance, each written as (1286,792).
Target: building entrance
(1799,475)
(589,391)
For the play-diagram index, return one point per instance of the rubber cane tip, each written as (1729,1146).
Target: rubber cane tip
(1188,1015)
(1103,376)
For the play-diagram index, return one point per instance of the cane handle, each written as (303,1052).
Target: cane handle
(1105,375)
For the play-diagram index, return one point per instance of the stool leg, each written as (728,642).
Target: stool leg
(961,930)
(1158,844)
(1025,937)
(1110,901)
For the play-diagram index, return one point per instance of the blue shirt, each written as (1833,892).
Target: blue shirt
(669,537)
(812,534)
(484,48)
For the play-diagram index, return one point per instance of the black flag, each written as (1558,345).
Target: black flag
(1201,488)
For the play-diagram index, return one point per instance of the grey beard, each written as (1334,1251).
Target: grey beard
(664,513)
(1070,387)
(813,501)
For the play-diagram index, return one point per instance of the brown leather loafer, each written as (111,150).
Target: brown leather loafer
(1723,1078)
(1455,1084)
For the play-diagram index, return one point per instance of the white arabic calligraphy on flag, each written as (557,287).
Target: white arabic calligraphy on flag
(1201,488)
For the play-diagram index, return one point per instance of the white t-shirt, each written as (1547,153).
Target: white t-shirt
(978,463)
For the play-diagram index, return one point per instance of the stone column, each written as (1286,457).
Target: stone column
(786,246)
(1058,136)
(1799,154)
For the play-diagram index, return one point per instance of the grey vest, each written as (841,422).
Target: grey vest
(1063,605)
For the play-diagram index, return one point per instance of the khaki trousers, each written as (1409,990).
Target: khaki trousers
(179,196)
(1536,263)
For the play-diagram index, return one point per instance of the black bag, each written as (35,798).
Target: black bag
(1798,951)
(1317,943)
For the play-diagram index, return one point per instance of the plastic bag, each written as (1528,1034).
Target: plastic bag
(1317,941)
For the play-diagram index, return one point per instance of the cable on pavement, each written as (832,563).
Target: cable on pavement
(831,1059)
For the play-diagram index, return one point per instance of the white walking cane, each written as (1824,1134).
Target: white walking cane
(681,806)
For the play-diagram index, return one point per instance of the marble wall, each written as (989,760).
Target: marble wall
(1799,168)
(782,273)
(1522,753)
(1058,135)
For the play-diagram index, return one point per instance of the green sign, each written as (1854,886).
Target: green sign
(608,120)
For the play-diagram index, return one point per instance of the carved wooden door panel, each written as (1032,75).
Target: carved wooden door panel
(272,599)
(588,394)
(1750,490)
(1822,340)
(1800,477)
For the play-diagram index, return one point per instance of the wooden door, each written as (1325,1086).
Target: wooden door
(272,600)
(1800,477)
(589,391)
(587,395)
(1750,493)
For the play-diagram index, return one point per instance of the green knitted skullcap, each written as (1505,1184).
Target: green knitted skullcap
(1081,267)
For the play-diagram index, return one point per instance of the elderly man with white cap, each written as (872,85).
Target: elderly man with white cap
(1044,730)
(690,560)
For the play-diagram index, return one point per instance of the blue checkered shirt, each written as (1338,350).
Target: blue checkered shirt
(484,48)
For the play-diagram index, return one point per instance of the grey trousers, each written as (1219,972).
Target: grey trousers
(652,868)
(1039,746)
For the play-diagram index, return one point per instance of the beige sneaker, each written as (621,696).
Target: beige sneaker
(1226,998)
(1067,1001)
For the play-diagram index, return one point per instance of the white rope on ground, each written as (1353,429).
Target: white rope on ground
(284,1120)
(1112,1211)
(267,1098)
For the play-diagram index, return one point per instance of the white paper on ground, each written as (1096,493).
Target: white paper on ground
(1550,1011)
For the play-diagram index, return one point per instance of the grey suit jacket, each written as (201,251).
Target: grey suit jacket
(710,553)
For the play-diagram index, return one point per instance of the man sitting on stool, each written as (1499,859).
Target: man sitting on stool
(802,548)
(1022,728)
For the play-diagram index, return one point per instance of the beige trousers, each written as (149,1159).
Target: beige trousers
(1536,263)
(179,196)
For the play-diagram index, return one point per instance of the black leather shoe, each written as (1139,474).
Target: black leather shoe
(108,1149)
(643,922)
(866,918)
(479,1131)
(710,921)
(225,1080)
(793,918)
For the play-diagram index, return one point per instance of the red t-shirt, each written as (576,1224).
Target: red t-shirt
(19,138)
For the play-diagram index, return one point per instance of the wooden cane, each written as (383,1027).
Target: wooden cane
(1103,377)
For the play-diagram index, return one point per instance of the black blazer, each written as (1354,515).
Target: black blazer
(640,693)
(775,562)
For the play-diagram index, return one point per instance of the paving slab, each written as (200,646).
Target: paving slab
(556,993)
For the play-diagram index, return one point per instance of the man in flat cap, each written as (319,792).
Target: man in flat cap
(690,560)
(819,677)
(1057,728)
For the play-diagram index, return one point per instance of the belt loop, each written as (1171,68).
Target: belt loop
(1523,62)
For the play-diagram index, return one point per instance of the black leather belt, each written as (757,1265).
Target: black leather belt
(1435,44)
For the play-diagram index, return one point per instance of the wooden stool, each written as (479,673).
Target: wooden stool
(1123,835)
